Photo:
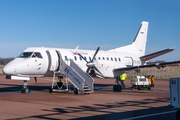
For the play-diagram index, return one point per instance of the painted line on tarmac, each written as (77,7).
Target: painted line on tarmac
(47,79)
(148,115)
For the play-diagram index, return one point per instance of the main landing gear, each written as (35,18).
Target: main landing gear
(25,89)
(117,88)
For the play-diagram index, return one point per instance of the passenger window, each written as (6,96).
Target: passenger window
(111,59)
(94,58)
(103,58)
(119,59)
(80,58)
(37,55)
(99,58)
(115,59)
(75,58)
(107,58)
(66,58)
(85,57)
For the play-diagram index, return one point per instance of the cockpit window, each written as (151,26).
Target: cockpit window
(29,54)
(25,55)
(36,55)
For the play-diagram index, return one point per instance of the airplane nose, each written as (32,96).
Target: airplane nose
(18,67)
(9,69)
(6,70)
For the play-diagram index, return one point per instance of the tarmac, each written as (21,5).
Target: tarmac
(103,104)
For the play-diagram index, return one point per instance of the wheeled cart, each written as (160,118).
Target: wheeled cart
(174,87)
(139,82)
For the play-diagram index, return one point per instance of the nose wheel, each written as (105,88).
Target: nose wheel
(25,89)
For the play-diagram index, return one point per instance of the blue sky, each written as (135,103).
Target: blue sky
(89,24)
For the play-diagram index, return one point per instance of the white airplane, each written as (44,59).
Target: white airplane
(42,62)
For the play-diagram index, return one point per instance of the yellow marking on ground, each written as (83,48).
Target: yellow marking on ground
(52,80)
(48,79)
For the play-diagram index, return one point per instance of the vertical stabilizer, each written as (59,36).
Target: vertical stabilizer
(139,44)
(141,38)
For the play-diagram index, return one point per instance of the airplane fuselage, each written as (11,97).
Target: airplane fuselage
(49,59)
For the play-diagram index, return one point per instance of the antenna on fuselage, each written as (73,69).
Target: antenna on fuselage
(76,47)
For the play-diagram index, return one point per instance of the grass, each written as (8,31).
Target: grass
(1,67)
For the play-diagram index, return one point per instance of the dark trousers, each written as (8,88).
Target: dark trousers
(122,84)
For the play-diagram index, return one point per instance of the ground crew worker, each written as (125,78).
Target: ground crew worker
(151,80)
(122,78)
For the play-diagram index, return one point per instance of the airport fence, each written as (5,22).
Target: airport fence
(163,73)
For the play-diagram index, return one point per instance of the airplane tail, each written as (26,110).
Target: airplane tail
(139,44)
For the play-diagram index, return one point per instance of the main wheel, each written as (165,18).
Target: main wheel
(149,88)
(117,88)
(178,114)
(50,89)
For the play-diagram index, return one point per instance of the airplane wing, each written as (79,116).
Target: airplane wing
(158,65)
(156,54)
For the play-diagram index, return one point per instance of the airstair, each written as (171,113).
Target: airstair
(83,83)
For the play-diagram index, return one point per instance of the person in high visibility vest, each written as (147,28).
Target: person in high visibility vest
(151,80)
(122,78)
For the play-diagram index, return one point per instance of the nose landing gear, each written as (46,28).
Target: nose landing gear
(25,89)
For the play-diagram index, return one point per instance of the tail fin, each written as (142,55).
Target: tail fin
(139,44)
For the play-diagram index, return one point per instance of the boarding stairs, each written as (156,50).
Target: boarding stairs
(82,81)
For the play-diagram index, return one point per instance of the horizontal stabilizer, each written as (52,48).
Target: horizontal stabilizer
(146,66)
(156,54)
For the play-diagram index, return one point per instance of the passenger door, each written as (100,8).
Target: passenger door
(54,60)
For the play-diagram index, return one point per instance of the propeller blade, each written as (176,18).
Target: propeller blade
(95,54)
(87,70)
(35,79)
(90,64)
(82,57)
(97,70)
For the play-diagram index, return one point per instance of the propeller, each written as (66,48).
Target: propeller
(91,66)
(35,79)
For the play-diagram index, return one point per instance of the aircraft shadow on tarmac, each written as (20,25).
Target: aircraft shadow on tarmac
(103,111)
(45,87)
(37,87)
(17,88)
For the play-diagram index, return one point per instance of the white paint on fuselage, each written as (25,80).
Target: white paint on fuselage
(38,67)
